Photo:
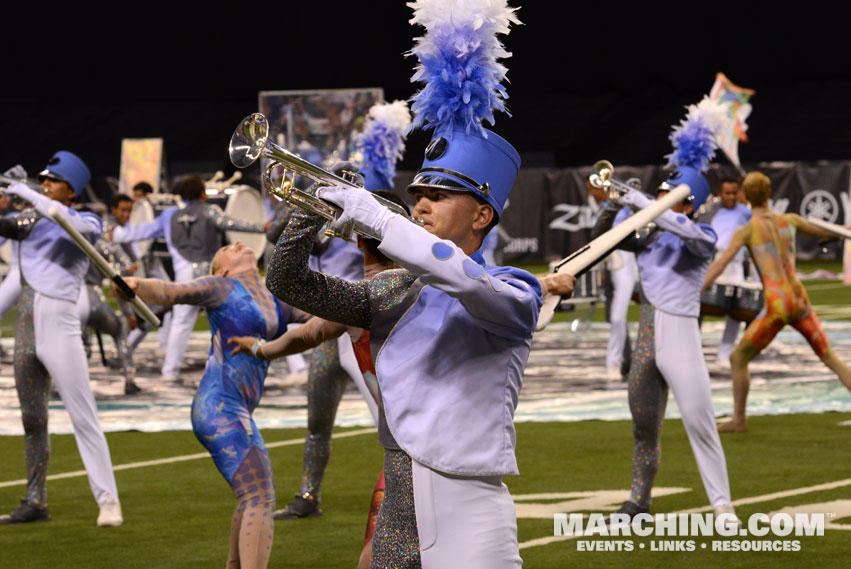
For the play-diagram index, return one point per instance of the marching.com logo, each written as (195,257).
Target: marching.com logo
(725,525)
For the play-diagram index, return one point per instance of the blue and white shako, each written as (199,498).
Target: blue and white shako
(69,168)
(459,161)
(693,179)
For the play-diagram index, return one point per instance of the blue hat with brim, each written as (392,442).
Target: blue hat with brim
(460,161)
(67,167)
(693,179)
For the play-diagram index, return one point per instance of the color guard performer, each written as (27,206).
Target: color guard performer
(237,304)
(770,238)
(193,234)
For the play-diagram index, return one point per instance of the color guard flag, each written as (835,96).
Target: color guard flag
(735,99)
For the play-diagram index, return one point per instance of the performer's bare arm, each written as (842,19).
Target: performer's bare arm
(807,228)
(294,341)
(209,291)
(737,241)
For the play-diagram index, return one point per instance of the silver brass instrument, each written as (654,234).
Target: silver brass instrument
(603,178)
(16,202)
(250,141)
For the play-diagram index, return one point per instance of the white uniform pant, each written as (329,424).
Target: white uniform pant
(623,285)
(10,290)
(679,358)
(182,323)
(59,347)
(464,522)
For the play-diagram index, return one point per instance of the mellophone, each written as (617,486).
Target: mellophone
(740,300)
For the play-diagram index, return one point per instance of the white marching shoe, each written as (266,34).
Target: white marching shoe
(732,523)
(613,373)
(110,513)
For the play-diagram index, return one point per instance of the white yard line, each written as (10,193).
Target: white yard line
(183,458)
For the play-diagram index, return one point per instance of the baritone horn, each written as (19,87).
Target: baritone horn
(603,178)
(250,141)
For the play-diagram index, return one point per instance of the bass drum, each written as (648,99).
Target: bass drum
(146,210)
(246,204)
(142,212)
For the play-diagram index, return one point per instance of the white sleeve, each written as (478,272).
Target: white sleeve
(506,304)
(88,225)
(699,238)
(150,230)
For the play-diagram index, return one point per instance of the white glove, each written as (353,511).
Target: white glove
(358,206)
(16,171)
(19,189)
(636,199)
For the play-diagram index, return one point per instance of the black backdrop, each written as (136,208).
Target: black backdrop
(586,80)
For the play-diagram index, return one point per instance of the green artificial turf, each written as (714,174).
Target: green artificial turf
(178,514)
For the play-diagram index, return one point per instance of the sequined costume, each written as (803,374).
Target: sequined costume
(429,407)
(672,260)
(330,367)
(48,343)
(193,233)
(229,392)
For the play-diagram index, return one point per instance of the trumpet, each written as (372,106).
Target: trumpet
(250,141)
(604,179)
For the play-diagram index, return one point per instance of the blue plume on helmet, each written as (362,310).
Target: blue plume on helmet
(459,63)
(382,143)
(695,140)
(462,77)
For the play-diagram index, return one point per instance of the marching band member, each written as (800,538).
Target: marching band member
(621,271)
(333,362)
(726,215)
(48,341)
(96,312)
(237,304)
(672,261)
(451,336)
(770,238)
(193,234)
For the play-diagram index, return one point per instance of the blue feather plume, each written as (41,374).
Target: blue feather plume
(695,138)
(382,141)
(458,63)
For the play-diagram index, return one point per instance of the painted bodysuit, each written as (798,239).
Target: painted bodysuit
(229,392)
(786,299)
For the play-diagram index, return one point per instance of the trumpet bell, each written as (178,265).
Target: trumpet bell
(603,165)
(248,140)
